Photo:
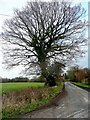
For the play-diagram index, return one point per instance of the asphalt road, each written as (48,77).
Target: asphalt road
(73,105)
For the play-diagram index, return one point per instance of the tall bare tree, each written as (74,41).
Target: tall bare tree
(41,33)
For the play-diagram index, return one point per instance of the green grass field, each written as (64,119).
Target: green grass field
(8,87)
(81,84)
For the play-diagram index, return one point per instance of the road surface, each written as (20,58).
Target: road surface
(73,105)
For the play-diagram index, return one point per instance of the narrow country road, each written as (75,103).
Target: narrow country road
(73,105)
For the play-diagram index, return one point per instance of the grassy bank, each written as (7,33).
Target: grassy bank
(9,87)
(81,84)
(29,99)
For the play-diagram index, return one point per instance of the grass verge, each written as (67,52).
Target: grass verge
(41,96)
(81,84)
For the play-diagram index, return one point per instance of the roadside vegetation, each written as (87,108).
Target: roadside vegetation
(28,99)
(85,84)
(78,76)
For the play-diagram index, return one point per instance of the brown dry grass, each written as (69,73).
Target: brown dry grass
(22,97)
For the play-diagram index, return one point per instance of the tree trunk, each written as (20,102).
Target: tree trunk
(50,79)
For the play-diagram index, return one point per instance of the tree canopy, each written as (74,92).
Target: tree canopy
(42,33)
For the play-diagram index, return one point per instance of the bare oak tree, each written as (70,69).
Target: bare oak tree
(41,33)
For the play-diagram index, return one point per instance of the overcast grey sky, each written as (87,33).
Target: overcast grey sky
(6,8)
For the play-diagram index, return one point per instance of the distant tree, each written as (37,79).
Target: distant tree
(80,75)
(65,76)
(87,72)
(41,33)
(20,79)
(88,76)
(71,73)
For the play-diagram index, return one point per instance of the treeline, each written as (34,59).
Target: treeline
(76,74)
(22,79)
(17,79)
